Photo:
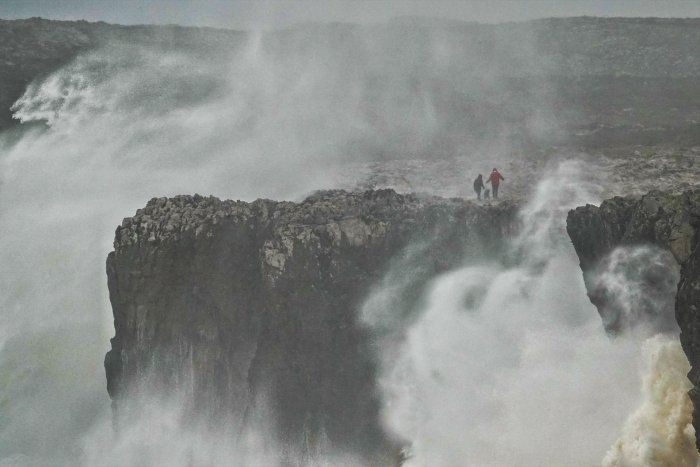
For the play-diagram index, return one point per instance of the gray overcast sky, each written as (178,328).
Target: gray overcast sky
(275,13)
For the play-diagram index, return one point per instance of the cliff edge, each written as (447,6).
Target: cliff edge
(668,221)
(239,307)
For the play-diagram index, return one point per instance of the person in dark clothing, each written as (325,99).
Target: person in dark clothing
(495,179)
(478,186)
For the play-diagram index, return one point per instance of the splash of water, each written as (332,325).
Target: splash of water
(163,434)
(659,432)
(522,375)
(637,287)
(126,125)
(115,140)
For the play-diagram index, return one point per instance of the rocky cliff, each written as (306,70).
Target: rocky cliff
(669,221)
(239,307)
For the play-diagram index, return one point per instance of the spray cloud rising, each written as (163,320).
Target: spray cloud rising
(511,365)
(127,123)
(494,351)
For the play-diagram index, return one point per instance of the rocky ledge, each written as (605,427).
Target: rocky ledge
(669,221)
(245,308)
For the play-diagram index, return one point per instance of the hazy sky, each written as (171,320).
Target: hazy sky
(274,13)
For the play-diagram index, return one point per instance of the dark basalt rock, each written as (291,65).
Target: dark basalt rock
(240,305)
(670,221)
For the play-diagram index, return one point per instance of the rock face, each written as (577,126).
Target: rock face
(236,305)
(670,221)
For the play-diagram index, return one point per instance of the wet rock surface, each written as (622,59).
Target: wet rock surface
(633,170)
(670,221)
(253,306)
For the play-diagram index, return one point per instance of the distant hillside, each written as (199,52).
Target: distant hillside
(596,81)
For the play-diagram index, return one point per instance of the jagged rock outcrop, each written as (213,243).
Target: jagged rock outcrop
(235,305)
(670,221)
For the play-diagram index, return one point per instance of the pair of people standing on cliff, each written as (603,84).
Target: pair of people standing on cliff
(494,179)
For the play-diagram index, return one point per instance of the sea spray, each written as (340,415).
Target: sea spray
(660,431)
(508,362)
(635,287)
(501,363)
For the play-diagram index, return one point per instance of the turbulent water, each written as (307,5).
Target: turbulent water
(511,365)
(500,364)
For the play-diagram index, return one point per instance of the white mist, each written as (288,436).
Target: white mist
(524,374)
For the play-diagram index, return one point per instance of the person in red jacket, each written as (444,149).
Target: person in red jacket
(495,179)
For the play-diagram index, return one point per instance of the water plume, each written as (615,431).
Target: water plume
(635,287)
(122,124)
(507,362)
(163,434)
(274,114)
(660,431)
(489,367)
